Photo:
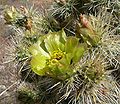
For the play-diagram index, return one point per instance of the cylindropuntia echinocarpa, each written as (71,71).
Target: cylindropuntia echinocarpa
(79,65)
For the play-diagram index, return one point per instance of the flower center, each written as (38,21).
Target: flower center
(55,57)
(58,54)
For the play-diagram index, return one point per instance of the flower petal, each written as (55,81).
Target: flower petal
(55,41)
(38,64)
(78,52)
(36,49)
(71,43)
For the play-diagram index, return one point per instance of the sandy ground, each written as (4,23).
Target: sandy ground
(8,74)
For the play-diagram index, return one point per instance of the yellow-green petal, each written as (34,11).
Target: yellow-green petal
(38,64)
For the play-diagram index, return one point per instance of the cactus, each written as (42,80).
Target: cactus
(57,53)
(73,65)
(91,84)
